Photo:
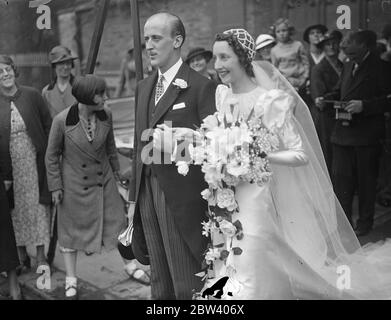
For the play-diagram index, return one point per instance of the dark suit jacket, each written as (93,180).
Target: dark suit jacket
(182,193)
(37,119)
(323,80)
(371,85)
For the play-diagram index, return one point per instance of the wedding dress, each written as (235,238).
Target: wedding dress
(297,241)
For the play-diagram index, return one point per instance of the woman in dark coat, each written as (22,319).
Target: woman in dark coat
(9,259)
(82,168)
(24,129)
(324,77)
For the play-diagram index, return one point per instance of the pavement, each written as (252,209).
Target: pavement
(102,276)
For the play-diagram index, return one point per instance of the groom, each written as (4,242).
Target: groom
(168,206)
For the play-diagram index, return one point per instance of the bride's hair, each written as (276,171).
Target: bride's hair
(242,54)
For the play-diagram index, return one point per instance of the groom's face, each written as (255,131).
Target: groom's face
(160,43)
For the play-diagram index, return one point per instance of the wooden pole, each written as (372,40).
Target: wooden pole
(101,9)
(135,16)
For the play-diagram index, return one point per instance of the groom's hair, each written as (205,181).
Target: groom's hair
(177,27)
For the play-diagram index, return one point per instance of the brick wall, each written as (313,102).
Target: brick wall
(118,31)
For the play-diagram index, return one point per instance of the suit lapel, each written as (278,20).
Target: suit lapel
(358,77)
(144,95)
(346,84)
(171,94)
(77,135)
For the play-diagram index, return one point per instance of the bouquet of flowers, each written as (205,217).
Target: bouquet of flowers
(230,149)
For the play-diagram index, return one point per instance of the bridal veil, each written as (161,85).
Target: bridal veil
(330,261)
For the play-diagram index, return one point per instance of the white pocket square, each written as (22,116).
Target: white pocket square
(179,106)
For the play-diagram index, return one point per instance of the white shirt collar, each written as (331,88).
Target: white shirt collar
(317,59)
(170,74)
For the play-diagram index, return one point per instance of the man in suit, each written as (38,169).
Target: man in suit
(356,143)
(168,206)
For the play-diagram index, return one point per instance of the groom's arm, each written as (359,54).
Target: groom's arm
(206,99)
(132,180)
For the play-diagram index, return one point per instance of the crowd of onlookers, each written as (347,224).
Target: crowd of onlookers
(57,147)
(330,70)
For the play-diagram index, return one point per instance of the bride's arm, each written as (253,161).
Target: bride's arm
(292,153)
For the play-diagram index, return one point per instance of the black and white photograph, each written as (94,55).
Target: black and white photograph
(195,150)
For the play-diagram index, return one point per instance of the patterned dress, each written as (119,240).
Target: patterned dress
(30,218)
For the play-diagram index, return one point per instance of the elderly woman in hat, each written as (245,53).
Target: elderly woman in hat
(24,129)
(263,46)
(198,59)
(58,94)
(313,35)
(82,167)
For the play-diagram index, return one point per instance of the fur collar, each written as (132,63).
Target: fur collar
(73,115)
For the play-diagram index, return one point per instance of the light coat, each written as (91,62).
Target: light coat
(91,212)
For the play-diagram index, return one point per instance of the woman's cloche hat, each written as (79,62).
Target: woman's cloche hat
(198,51)
(322,28)
(60,54)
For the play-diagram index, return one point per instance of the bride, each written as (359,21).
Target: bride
(297,242)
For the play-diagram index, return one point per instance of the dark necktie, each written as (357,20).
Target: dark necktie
(159,89)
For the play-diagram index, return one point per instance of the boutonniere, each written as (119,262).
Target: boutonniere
(180,84)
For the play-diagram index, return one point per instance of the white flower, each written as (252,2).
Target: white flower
(226,199)
(183,167)
(197,154)
(213,176)
(236,168)
(219,147)
(180,83)
(212,255)
(208,196)
(238,137)
(207,227)
(231,180)
(227,228)
(210,122)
